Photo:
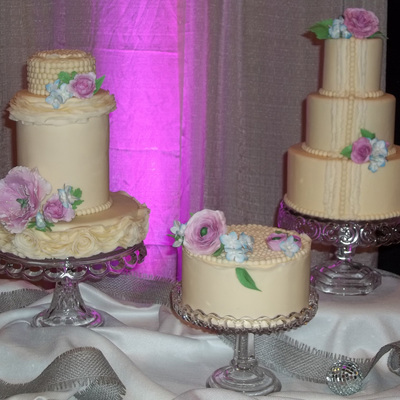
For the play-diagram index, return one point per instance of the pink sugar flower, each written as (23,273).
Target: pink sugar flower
(361,150)
(361,23)
(203,231)
(54,211)
(21,192)
(83,85)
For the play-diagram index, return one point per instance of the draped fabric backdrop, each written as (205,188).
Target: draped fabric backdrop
(210,95)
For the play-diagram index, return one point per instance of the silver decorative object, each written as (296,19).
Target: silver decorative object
(342,275)
(344,378)
(244,374)
(67,306)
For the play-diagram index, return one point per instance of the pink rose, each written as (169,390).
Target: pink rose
(275,239)
(361,150)
(21,193)
(83,85)
(203,231)
(54,211)
(361,23)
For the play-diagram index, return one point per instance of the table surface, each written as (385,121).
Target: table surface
(156,356)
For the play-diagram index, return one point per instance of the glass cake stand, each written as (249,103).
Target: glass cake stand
(342,275)
(244,374)
(67,306)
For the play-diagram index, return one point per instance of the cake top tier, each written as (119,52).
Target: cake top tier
(352,67)
(44,67)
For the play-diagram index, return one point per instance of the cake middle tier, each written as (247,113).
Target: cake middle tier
(338,188)
(332,123)
(75,155)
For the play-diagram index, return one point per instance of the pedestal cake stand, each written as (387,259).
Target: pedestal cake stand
(244,374)
(342,275)
(67,306)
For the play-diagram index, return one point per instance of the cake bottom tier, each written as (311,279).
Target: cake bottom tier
(124,224)
(341,189)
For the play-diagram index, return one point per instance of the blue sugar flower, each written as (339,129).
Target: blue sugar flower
(55,100)
(238,255)
(379,148)
(40,222)
(66,197)
(289,247)
(59,94)
(230,241)
(376,162)
(339,29)
(379,152)
(246,241)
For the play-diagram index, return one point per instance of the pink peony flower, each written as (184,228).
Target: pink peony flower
(83,85)
(54,211)
(361,23)
(361,150)
(275,239)
(203,231)
(21,193)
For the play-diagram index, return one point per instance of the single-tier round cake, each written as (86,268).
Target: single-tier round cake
(56,202)
(270,282)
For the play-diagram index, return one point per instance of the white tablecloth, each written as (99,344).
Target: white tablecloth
(157,357)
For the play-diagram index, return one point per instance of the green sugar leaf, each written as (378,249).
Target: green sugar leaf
(367,134)
(76,204)
(99,82)
(321,29)
(23,202)
(76,192)
(347,151)
(64,77)
(219,251)
(245,279)
(378,35)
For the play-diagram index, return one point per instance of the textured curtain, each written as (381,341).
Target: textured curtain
(210,95)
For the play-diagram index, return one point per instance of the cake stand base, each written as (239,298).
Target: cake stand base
(259,382)
(68,308)
(244,374)
(345,278)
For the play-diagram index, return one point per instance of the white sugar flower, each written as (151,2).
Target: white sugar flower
(178,231)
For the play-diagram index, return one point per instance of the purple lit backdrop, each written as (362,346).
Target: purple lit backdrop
(136,47)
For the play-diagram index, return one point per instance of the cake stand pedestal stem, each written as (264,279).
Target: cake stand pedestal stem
(68,308)
(244,374)
(343,276)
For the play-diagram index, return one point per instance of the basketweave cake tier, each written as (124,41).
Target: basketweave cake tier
(62,146)
(323,180)
(210,283)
